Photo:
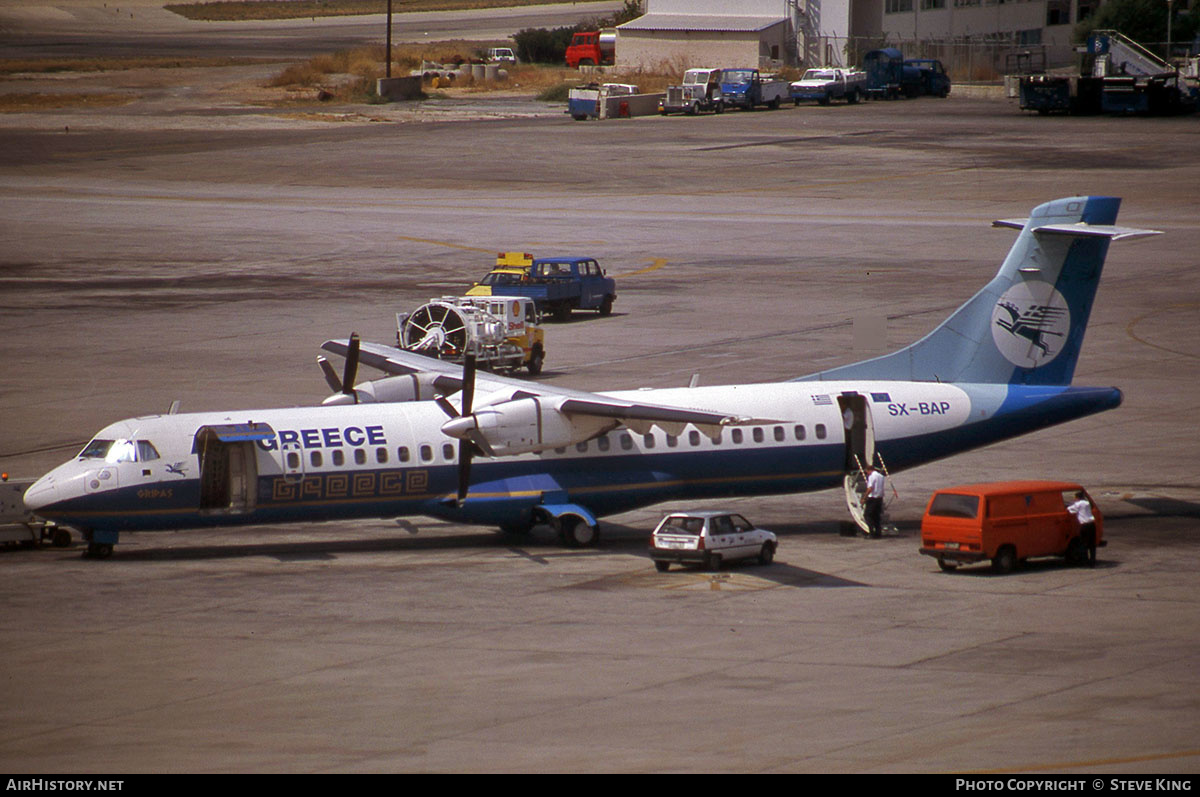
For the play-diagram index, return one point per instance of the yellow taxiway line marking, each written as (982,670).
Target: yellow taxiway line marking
(1169,308)
(443,243)
(655,265)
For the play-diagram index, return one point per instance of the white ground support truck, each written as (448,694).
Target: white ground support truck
(700,91)
(826,85)
(18,526)
(501,331)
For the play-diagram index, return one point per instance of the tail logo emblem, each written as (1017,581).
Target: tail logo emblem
(1030,324)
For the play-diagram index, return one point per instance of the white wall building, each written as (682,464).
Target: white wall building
(676,34)
(1044,24)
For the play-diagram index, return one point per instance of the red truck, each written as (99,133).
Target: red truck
(592,48)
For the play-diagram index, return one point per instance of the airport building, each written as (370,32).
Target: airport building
(971,36)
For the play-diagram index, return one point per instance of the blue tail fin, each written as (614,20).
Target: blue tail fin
(1026,326)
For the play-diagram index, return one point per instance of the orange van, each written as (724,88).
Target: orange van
(1006,522)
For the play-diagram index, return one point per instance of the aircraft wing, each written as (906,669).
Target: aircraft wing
(448,376)
(638,416)
(397,362)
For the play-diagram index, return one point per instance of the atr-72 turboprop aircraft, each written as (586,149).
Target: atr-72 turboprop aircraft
(999,367)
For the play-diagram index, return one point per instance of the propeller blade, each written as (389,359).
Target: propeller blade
(466,448)
(331,377)
(446,407)
(351,372)
(468,387)
(466,451)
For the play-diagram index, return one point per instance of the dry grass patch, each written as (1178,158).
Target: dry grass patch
(350,75)
(25,103)
(346,76)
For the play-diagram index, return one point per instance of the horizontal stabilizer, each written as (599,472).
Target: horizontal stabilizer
(1079,229)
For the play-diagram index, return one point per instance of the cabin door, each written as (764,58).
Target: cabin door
(229,467)
(859,450)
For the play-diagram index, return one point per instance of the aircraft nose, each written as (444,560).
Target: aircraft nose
(41,493)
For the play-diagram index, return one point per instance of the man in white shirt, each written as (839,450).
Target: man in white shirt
(873,502)
(1082,510)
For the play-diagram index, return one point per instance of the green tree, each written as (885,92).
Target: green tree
(542,46)
(1144,21)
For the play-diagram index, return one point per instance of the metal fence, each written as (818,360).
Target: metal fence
(966,60)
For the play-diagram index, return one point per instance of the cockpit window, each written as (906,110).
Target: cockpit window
(97,449)
(121,451)
(113,451)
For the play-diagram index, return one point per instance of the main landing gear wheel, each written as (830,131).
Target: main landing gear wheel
(578,533)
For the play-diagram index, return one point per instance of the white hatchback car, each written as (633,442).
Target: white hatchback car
(709,539)
(501,55)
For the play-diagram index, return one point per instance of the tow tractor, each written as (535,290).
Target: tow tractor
(502,332)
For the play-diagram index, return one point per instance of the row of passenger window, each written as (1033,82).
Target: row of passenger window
(425,452)
(737,436)
(337,458)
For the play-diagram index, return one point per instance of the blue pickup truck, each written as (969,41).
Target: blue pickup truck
(746,88)
(557,285)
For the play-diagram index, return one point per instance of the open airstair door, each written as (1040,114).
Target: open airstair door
(859,434)
(229,466)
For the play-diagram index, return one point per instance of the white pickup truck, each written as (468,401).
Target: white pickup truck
(826,85)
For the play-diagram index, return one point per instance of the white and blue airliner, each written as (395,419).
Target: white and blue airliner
(438,440)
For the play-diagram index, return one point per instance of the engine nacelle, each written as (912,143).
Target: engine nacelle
(526,425)
(409,387)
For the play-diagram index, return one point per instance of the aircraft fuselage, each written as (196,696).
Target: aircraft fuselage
(384,460)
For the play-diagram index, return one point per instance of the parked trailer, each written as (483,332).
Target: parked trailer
(589,100)
(1073,94)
